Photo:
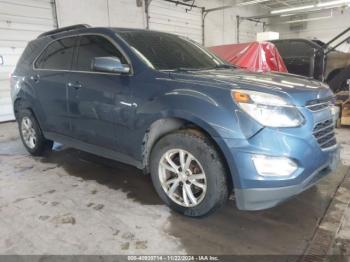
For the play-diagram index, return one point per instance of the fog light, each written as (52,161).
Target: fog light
(274,166)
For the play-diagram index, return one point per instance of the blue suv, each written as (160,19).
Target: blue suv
(201,127)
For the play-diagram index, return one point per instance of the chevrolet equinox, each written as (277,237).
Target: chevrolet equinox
(164,104)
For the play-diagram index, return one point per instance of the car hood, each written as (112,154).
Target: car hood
(298,89)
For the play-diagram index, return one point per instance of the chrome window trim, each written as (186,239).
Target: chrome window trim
(111,40)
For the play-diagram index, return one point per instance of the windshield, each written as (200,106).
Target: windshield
(164,51)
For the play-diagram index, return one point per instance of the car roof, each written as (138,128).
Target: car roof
(140,31)
(81,28)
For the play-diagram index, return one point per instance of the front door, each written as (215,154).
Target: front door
(98,102)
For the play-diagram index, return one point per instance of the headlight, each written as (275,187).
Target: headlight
(268,110)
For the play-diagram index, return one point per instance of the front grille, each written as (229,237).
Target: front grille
(319,104)
(324,134)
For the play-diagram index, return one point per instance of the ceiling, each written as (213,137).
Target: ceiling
(281,4)
(269,4)
(277,7)
(289,7)
(278,4)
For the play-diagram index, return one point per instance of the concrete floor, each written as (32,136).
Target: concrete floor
(71,202)
(341,245)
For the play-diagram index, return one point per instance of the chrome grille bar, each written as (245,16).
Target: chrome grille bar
(324,134)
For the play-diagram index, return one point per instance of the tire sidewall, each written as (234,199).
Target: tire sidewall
(208,158)
(39,136)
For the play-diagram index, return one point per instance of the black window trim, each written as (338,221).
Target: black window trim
(111,40)
(47,46)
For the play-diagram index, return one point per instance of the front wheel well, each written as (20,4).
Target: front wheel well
(162,127)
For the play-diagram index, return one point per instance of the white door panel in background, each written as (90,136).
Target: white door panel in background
(20,22)
(177,19)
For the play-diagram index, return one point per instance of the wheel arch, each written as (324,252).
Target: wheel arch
(161,127)
(21,103)
(16,105)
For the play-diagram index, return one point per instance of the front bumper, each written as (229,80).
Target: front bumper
(255,192)
(263,198)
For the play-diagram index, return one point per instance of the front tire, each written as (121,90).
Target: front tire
(31,134)
(188,173)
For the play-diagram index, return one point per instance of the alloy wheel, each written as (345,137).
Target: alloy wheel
(28,132)
(182,177)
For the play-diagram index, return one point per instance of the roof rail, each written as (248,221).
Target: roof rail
(64,29)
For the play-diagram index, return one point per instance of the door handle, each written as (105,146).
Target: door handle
(75,85)
(35,78)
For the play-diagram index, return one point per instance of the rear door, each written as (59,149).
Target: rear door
(49,79)
(99,105)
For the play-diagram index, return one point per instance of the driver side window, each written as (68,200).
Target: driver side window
(92,46)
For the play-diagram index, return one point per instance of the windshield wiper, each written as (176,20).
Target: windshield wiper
(221,66)
(225,66)
(185,69)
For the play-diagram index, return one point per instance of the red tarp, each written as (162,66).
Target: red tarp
(254,56)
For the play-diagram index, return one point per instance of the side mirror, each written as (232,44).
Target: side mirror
(109,64)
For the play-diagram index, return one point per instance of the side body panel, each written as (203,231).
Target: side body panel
(99,109)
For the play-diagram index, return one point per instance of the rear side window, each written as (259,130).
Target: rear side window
(58,55)
(95,46)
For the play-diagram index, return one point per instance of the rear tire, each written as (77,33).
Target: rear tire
(31,134)
(339,82)
(189,174)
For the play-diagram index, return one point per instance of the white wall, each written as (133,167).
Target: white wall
(324,29)
(20,22)
(117,13)
(177,19)
(220,26)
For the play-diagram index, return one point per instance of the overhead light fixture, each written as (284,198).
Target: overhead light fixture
(319,5)
(337,2)
(308,19)
(286,10)
(252,2)
(298,13)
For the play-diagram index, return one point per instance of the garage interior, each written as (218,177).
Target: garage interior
(75,203)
